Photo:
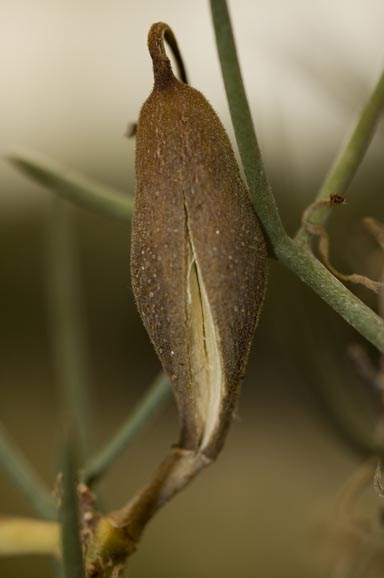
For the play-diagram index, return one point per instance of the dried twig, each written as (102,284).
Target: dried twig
(319,230)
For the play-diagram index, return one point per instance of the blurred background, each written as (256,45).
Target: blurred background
(73,75)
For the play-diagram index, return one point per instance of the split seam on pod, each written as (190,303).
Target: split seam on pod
(198,253)
(199,270)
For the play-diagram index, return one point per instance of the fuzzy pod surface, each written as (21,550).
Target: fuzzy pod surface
(198,254)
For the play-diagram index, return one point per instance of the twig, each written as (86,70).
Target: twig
(257,179)
(349,158)
(296,258)
(72,186)
(24,476)
(66,323)
(70,517)
(314,274)
(364,365)
(353,488)
(320,231)
(146,408)
(376,229)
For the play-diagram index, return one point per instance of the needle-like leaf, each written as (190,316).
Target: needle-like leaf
(151,402)
(73,186)
(67,324)
(23,475)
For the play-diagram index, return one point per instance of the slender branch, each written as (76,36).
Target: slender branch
(67,324)
(70,516)
(332,291)
(24,476)
(151,403)
(256,176)
(73,186)
(296,258)
(349,159)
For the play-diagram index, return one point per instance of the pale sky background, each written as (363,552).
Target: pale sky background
(73,73)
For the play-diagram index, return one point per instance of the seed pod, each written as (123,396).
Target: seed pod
(198,253)
(198,275)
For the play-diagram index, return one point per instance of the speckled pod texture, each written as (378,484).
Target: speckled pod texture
(190,191)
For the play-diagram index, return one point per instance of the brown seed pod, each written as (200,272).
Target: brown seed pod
(198,252)
(198,275)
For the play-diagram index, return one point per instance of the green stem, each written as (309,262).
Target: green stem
(67,324)
(349,159)
(256,176)
(73,186)
(23,475)
(296,258)
(313,273)
(146,408)
(73,564)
